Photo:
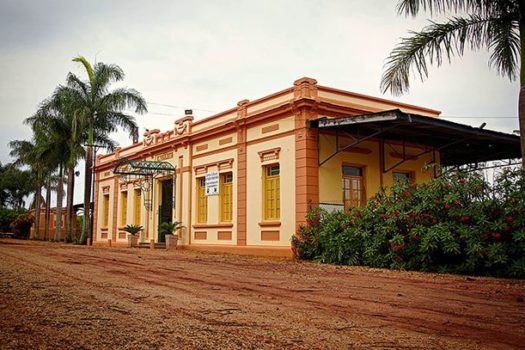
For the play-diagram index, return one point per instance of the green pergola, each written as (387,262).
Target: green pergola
(144,171)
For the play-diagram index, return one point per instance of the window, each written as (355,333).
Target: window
(402,175)
(226,197)
(137,206)
(202,201)
(353,188)
(123,208)
(271,192)
(105,210)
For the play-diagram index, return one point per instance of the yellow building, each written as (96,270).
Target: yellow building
(242,180)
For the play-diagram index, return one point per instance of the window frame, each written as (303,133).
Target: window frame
(277,200)
(362,179)
(223,186)
(202,201)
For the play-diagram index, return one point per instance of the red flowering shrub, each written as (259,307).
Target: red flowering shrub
(457,223)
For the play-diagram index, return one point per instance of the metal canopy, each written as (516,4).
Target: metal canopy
(143,171)
(126,166)
(457,143)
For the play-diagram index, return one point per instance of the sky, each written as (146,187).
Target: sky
(208,55)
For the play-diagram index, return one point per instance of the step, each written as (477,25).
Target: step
(157,245)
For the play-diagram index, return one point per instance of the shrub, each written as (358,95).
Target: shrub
(7,216)
(458,223)
(21,226)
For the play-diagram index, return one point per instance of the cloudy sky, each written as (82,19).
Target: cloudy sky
(207,55)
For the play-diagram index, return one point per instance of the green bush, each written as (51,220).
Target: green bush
(7,216)
(458,223)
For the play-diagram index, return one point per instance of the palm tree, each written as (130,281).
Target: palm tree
(56,117)
(101,112)
(497,25)
(29,153)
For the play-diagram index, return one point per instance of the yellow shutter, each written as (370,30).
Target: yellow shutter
(226,197)
(123,208)
(272,193)
(202,202)
(105,210)
(137,204)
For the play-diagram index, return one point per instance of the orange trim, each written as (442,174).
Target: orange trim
(224,235)
(270,235)
(270,251)
(221,225)
(269,223)
(271,137)
(270,128)
(216,151)
(116,191)
(201,147)
(200,235)
(225,141)
(376,99)
(241,184)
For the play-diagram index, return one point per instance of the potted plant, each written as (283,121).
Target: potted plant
(167,229)
(133,237)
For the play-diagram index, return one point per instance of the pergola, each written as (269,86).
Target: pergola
(143,171)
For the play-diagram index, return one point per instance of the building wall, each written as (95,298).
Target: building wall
(243,140)
(52,224)
(367,156)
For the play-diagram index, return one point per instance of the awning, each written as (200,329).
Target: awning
(457,143)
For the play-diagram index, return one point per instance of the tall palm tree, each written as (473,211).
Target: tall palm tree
(56,117)
(29,153)
(101,111)
(497,25)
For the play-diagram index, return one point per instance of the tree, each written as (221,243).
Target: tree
(15,185)
(101,112)
(29,153)
(497,25)
(56,117)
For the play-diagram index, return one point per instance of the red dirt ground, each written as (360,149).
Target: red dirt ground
(69,297)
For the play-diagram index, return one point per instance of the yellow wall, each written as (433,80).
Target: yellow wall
(330,173)
(255,191)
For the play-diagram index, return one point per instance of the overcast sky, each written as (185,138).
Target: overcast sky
(208,55)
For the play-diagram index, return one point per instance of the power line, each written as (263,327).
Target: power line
(180,107)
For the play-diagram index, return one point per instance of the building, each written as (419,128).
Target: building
(52,223)
(243,180)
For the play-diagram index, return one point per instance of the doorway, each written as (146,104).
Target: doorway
(166,205)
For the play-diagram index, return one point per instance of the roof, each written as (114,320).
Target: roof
(457,143)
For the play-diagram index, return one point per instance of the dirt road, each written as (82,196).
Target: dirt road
(65,297)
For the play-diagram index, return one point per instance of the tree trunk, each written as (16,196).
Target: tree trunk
(60,196)
(521,101)
(521,114)
(48,208)
(38,194)
(69,203)
(86,227)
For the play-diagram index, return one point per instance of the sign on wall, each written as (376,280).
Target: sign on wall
(212,183)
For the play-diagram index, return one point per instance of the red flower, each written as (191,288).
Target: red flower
(464,218)
(448,206)
(434,221)
(496,235)
(509,218)
(506,228)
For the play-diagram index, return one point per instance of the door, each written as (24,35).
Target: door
(353,188)
(166,206)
